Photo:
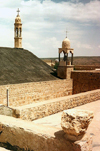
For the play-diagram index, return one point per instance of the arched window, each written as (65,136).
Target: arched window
(16,32)
(19,32)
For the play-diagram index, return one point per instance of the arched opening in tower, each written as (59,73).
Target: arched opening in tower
(16,32)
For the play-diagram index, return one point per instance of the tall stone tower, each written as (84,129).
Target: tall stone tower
(18,31)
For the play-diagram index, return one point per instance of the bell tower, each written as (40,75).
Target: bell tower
(18,31)
(65,66)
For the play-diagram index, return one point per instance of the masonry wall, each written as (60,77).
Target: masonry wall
(40,110)
(22,94)
(86,67)
(85,81)
(64,72)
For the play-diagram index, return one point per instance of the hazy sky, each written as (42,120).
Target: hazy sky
(45,23)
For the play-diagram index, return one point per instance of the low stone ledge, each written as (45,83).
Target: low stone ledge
(45,108)
(25,135)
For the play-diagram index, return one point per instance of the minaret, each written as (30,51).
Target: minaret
(18,31)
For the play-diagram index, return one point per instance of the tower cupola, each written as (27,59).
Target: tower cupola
(66,43)
(18,19)
(18,31)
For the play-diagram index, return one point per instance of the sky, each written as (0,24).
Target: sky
(45,22)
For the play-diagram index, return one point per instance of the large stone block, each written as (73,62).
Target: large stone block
(4,110)
(23,135)
(75,123)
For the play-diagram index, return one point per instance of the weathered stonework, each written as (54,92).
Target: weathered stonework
(85,81)
(64,72)
(4,110)
(26,93)
(45,108)
(75,122)
(26,136)
(86,67)
(18,32)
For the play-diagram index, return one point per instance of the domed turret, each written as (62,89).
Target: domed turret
(18,19)
(65,66)
(66,43)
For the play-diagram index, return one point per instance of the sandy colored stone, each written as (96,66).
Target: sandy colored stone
(85,80)
(75,123)
(25,135)
(27,93)
(45,108)
(18,32)
(66,43)
(3,149)
(4,110)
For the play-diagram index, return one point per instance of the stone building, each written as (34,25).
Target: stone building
(34,92)
(65,67)
(18,65)
(18,31)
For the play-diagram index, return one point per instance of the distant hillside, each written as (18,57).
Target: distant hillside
(21,66)
(79,60)
(87,60)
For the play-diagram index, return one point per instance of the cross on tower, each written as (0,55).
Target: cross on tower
(66,33)
(18,11)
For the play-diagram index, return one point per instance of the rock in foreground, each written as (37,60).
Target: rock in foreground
(75,123)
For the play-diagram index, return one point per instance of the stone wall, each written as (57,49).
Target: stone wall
(86,67)
(42,109)
(26,93)
(64,72)
(85,81)
(19,135)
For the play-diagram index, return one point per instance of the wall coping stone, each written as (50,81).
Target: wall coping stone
(88,71)
(32,82)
